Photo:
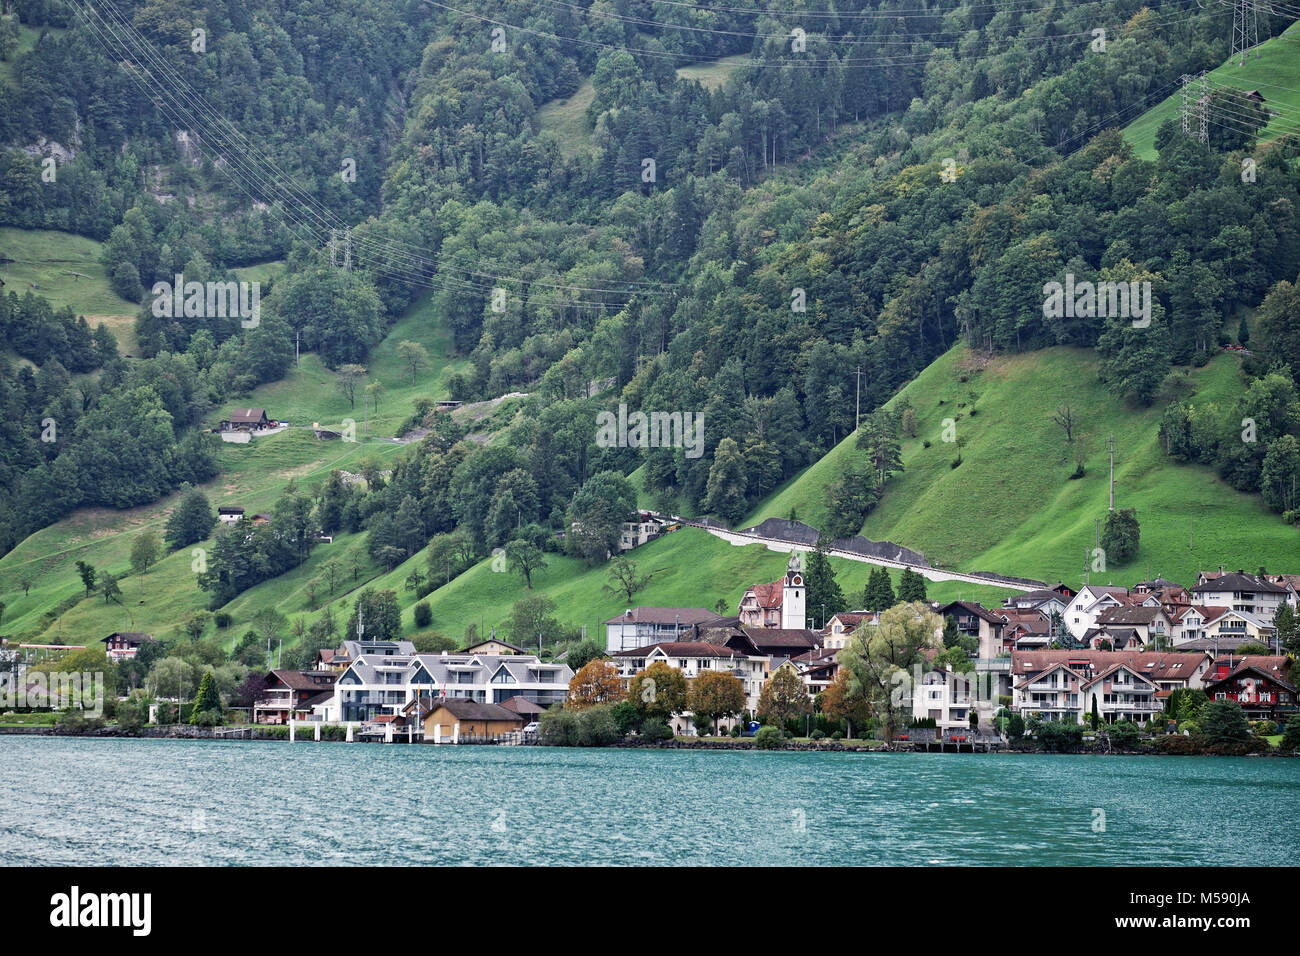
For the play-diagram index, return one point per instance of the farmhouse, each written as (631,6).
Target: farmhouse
(124,645)
(248,420)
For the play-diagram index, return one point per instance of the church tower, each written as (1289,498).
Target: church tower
(794,595)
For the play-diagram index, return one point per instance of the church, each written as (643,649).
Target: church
(779,604)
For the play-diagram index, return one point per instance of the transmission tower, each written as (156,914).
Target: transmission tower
(1196,103)
(1245,30)
(346,236)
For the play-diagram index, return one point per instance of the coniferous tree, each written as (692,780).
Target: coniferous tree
(208,700)
(911,586)
(824,594)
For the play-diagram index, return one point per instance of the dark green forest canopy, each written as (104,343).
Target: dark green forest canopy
(910,179)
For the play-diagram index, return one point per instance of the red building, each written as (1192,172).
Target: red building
(1260,683)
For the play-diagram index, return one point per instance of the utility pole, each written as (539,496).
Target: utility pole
(297,335)
(857,411)
(1112,473)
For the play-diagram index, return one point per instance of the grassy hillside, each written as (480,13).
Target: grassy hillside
(1010,505)
(1275,72)
(48,259)
(253,477)
(714,73)
(310,393)
(567,119)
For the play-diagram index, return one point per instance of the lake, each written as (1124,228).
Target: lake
(140,802)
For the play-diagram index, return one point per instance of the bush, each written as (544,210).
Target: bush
(423,614)
(837,735)
(768,738)
(1291,736)
(1060,736)
(1015,726)
(1224,723)
(558,728)
(596,727)
(1178,745)
(818,735)
(1265,728)
(222,619)
(655,730)
(735,731)
(1124,734)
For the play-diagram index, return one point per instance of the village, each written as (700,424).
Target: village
(1104,654)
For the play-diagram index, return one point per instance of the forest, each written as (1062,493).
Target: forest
(872,183)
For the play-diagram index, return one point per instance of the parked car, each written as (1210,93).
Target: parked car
(531,728)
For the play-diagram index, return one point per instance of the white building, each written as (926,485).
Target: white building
(642,626)
(1082,612)
(694,658)
(1240,591)
(384,676)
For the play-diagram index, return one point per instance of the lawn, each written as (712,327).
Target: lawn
(1274,73)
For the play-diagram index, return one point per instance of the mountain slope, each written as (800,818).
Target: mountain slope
(1010,506)
(1275,72)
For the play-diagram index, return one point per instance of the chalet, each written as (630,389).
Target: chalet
(1045,600)
(1166,671)
(1151,623)
(1223,629)
(524,707)
(1261,684)
(777,643)
(1065,687)
(248,420)
(324,434)
(124,645)
(1241,592)
(493,645)
(292,694)
(230,515)
(1113,637)
(644,528)
(1255,95)
(816,669)
(447,405)
(261,518)
(642,626)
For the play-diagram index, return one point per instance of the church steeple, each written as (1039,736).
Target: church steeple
(794,595)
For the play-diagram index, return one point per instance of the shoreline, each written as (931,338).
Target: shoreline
(271,734)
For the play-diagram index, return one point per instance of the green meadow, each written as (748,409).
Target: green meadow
(1274,72)
(1010,505)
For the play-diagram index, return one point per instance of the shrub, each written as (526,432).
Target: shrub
(1265,728)
(767,738)
(423,614)
(655,730)
(222,619)
(837,735)
(1224,723)
(1060,736)
(596,727)
(1124,734)
(1291,736)
(1178,745)
(558,727)
(626,717)
(735,731)
(956,462)
(1015,726)
(818,735)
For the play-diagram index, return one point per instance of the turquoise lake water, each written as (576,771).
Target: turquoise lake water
(139,802)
